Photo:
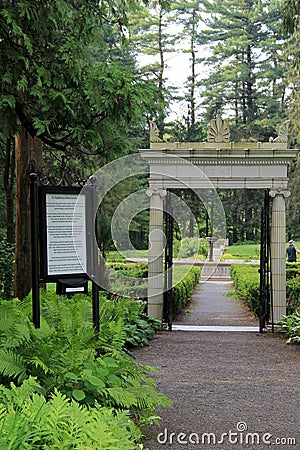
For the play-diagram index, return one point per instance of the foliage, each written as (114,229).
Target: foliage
(244,251)
(292,270)
(28,421)
(184,281)
(246,281)
(135,270)
(246,76)
(189,247)
(291,14)
(67,76)
(137,327)
(291,326)
(293,293)
(61,355)
(6,269)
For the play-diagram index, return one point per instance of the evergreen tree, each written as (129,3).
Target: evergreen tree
(151,37)
(246,79)
(63,85)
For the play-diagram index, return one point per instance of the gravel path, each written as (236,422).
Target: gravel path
(230,390)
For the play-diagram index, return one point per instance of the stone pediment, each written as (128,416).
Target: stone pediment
(226,164)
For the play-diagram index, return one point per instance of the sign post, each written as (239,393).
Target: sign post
(34,250)
(63,243)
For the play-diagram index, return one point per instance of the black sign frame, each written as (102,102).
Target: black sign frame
(43,191)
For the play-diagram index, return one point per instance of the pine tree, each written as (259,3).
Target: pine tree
(245,81)
(150,36)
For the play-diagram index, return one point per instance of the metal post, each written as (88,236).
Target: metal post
(94,257)
(262,273)
(168,304)
(34,251)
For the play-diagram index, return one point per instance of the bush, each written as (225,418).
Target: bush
(183,289)
(190,247)
(134,270)
(246,280)
(292,270)
(293,294)
(291,326)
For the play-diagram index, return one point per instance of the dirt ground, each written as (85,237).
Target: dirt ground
(230,390)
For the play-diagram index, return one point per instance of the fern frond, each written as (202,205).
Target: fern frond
(12,365)
(38,363)
(122,398)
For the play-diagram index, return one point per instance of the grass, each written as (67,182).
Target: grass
(246,252)
(116,256)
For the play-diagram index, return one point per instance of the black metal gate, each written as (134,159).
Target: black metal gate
(265,307)
(168,305)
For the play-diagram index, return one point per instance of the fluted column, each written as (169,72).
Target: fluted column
(156,252)
(278,253)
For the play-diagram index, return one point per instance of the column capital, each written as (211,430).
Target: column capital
(162,192)
(279,191)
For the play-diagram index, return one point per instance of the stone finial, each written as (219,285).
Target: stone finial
(218,130)
(283,133)
(154,133)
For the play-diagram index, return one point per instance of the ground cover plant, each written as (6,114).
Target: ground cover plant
(74,372)
(290,324)
(82,390)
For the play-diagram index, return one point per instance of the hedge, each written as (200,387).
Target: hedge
(183,290)
(246,281)
(184,280)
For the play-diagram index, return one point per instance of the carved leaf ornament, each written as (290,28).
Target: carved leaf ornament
(283,133)
(154,133)
(218,130)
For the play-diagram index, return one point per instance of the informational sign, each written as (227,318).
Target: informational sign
(64,250)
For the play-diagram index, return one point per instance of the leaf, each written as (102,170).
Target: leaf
(71,376)
(78,394)
(94,381)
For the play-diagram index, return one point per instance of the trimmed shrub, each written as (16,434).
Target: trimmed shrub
(182,291)
(293,295)
(246,281)
(292,270)
(134,270)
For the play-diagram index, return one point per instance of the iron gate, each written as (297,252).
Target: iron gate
(168,304)
(265,306)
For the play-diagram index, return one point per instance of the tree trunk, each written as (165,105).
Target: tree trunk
(28,158)
(161,108)
(8,183)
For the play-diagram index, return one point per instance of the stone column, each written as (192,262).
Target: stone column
(156,252)
(278,253)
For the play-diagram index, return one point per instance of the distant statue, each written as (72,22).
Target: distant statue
(218,130)
(283,133)
(154,133)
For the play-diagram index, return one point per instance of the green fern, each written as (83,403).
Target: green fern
(12,365)
(29,422)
